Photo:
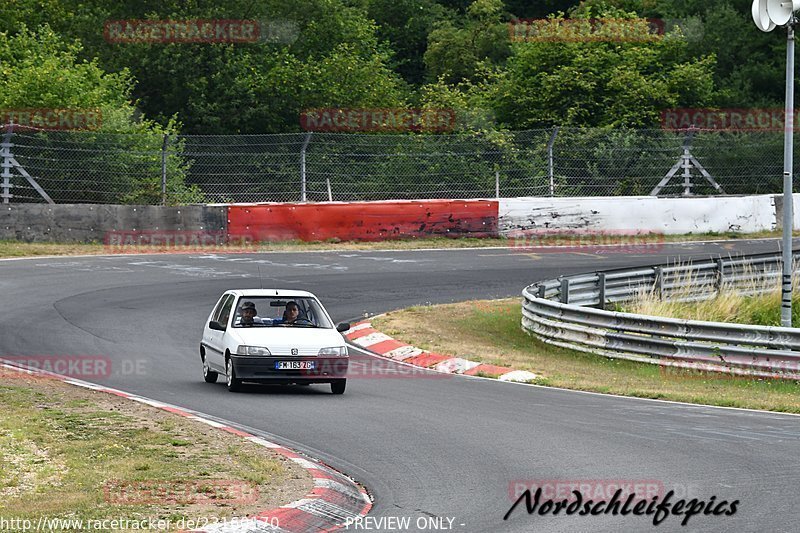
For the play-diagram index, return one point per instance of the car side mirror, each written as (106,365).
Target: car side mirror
(344,326)
(216,325)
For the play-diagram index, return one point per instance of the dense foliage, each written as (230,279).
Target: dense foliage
(313,54)
(389,53)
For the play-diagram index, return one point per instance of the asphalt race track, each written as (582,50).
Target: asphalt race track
(425,447)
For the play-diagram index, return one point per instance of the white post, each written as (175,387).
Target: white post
(303,167)
(788,160)
(551,162)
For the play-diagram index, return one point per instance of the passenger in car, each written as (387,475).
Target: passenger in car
(249,314)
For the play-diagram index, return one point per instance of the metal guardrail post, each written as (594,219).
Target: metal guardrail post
(601,283)
(564,290)
(541,292)
(659,285)
(718,282)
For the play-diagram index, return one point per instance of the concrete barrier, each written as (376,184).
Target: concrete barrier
(364,221)
(400,219)
(644,214)
(91,222)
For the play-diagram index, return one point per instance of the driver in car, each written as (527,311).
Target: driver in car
(291,314)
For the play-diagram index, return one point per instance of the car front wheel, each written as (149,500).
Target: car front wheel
(209,375)
(234,383)
(338,386)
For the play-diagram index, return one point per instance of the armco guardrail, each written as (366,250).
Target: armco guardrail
(570,312)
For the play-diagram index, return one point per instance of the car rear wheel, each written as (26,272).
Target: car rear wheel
(338,386)
(234,383)
(209,375)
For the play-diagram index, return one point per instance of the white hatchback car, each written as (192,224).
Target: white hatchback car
(273,336)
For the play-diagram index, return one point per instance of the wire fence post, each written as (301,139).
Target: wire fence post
(164,169)
(7,164)
(303,167)
(551,161)
(496,182)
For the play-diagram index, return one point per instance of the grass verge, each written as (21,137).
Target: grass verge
(489,331)
(728,306)
(11,248)
(72,453)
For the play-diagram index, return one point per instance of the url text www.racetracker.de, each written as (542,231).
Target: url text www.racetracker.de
(54,524)
(658,510)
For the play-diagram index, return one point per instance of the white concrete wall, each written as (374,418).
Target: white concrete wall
(643,214)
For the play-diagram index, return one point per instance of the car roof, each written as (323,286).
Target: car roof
(281,293)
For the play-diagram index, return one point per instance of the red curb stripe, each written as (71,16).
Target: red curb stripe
(386,346)
(288,453)
(427,359)
(361,333)
(318,473)
(174,410)
(116,393)
(292,519)
(236,431)
(491,370)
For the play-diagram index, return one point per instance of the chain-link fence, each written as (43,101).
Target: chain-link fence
(96,167)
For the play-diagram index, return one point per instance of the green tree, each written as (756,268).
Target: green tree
(39,69)
(328,55)
(614,83)
(405,25)
(457,51)
(520,8)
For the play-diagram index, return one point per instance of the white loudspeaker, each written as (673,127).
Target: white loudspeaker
(780,11)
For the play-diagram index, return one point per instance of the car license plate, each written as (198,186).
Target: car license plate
(294,365)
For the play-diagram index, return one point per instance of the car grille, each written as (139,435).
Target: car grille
(286,351)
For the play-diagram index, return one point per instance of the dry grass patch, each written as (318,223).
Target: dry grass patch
(20,249)
(728,306)
(489,331)
(71,452)
(10,248)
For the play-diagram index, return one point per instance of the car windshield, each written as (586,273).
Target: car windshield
(274,311)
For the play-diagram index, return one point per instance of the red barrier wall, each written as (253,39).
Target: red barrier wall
(364,221)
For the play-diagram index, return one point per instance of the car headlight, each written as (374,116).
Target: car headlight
(337,351)
(243,349)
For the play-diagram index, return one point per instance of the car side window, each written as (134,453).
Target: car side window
(218,308)
(225,313)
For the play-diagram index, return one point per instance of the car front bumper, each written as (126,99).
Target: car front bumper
(256,368)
